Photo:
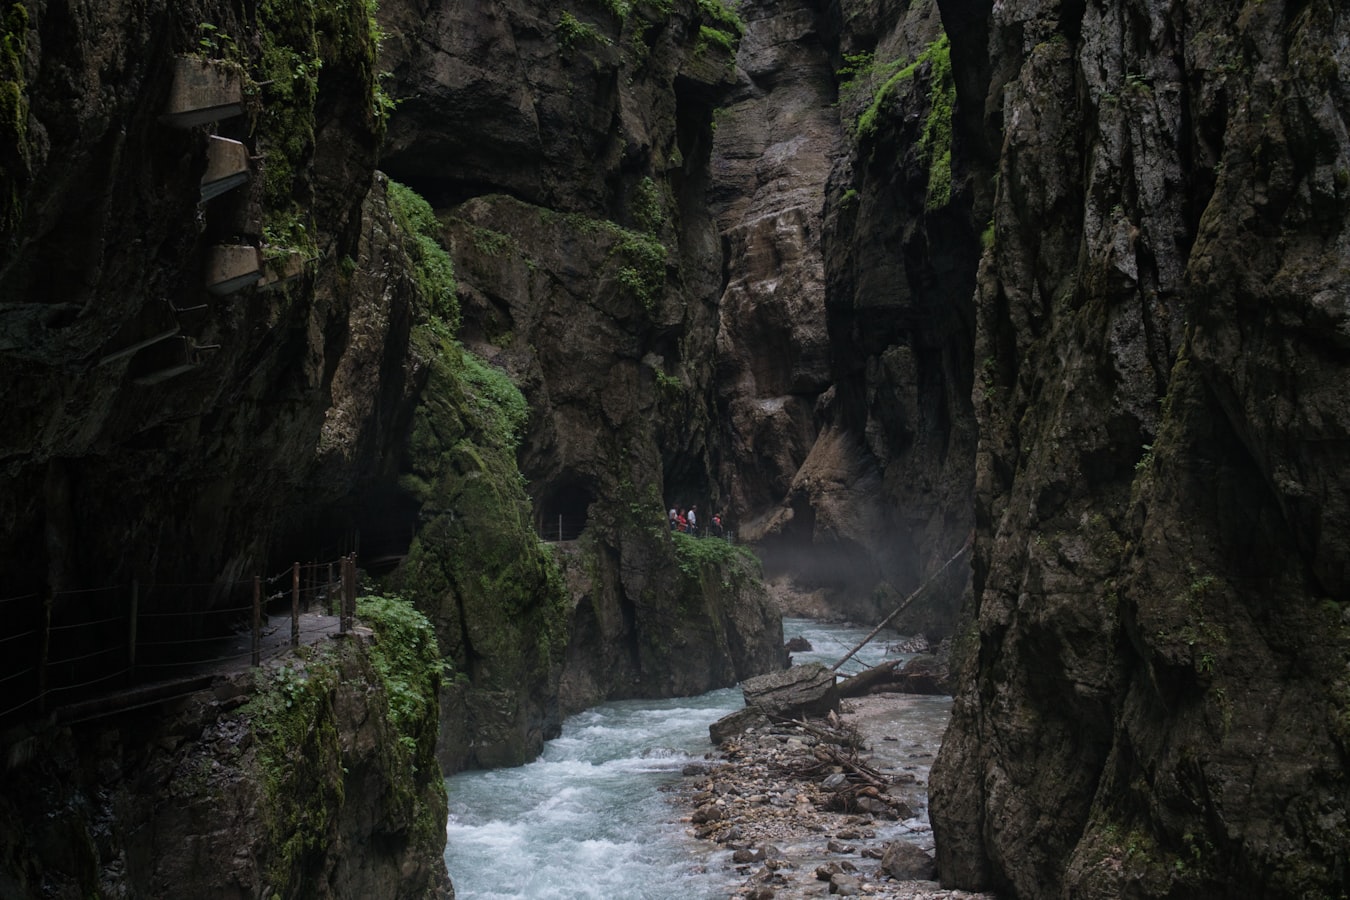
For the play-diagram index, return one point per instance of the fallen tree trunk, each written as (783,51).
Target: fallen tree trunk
(867,679)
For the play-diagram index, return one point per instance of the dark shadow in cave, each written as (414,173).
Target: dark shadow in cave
(563,510)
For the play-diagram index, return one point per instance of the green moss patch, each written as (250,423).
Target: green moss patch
(297,42)
(935,143)
(476,567)
(408,661)
(299,762)
(14,165)
(435,269)
(695,554)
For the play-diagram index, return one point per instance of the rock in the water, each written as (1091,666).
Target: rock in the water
(845,885)
(798,644)
(806,690)
(906,862)
(917,644)
(731,725)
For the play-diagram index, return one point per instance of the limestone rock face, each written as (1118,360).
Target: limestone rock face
(566,153)
(111,474)
(776,138)
(843,352)
(1155,699)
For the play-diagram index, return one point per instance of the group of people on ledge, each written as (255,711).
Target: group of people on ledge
(687,522)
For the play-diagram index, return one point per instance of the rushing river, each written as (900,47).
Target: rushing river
(588,818)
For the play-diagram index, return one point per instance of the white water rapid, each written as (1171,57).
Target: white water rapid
(588,818)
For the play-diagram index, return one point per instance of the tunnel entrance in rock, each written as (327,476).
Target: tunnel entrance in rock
(378,526)
(563,511)
(385,525)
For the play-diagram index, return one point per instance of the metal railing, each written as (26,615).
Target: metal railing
(74,645)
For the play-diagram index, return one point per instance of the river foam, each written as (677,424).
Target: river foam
(588,819)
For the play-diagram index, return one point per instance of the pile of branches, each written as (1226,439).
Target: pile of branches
(849,784)
(832,731)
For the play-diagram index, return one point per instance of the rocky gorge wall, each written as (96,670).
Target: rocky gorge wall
(1155,703)
(312,777)
(345,410)
(1121,261)
(846,321)
(566,155)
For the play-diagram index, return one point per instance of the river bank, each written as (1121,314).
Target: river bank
(829,807)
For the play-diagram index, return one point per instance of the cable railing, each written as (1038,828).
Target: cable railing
(72,646)
(557,528)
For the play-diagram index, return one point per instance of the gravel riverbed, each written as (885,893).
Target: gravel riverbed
(827,807)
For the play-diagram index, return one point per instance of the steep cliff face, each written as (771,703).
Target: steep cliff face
(149,420)
(312,778)
(566,153)
(163,428)
(846,322)
(1156,704)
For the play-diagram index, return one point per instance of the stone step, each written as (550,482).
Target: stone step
(232,267)
(227,167)
(203,91)
(166,360)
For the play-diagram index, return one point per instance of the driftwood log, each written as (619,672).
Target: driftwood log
(868,679)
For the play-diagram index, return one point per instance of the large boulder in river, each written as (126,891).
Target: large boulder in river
(806,690)
(907,862)
(735,723)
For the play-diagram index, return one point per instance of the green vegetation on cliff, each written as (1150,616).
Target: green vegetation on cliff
(723,26)
(301,735)
(476,567)
(13,113)
(298,40)
(571,31)
(292,720)
(434,268)
(935,142)
(695,555)
(641,255)
(409,663)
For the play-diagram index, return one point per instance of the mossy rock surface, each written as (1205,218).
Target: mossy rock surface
(477,567)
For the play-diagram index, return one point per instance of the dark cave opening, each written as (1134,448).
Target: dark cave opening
(563,511)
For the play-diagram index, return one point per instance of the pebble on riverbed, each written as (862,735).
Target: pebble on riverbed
(799,805)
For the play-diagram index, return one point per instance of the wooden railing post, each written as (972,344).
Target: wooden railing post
(257,621)
(295,604)
(351,595)
(343,594)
